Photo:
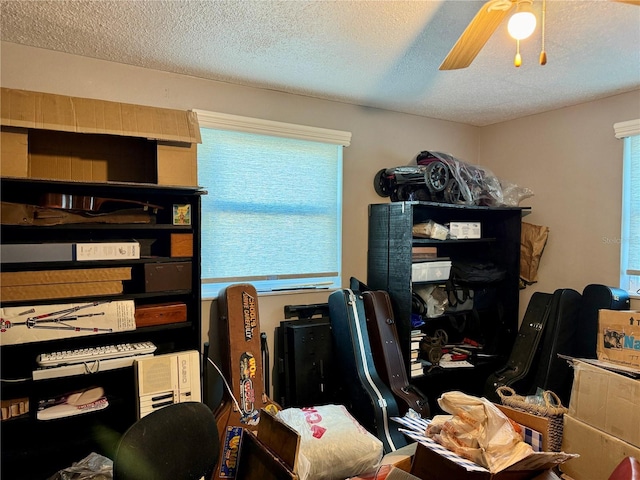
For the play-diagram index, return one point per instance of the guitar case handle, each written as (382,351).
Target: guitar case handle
(264,347)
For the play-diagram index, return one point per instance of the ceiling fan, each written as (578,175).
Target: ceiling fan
(486,21)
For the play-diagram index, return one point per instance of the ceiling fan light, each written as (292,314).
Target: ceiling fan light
(522,23)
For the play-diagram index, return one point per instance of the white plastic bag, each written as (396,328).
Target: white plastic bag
(333,445)
(477,430)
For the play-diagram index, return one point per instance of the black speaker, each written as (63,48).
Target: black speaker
(594,298)
(304,352)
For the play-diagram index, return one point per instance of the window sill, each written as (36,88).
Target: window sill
(212,293)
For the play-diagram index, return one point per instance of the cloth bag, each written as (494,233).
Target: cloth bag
(333,445)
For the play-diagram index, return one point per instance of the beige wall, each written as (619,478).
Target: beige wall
(569,157)
(573,162)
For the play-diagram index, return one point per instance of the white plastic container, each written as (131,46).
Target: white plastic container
(431,271)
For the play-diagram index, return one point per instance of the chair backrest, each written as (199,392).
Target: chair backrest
(179,441)
(627,469)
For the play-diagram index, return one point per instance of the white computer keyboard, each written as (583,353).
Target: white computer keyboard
(91,354)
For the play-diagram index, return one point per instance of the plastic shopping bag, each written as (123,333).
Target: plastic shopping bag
(477,430)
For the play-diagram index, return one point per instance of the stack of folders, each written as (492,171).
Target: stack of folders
(416,363)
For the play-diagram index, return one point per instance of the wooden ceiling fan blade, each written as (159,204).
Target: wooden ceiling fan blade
(630,2)
(476,34)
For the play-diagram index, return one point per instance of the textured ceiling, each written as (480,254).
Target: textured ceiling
(383,54)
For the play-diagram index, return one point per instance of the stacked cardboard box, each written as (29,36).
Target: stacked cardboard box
(619,337)
(603,423)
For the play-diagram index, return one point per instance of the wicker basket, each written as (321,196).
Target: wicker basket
(552,410)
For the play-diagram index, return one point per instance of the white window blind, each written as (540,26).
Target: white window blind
(630,232)
(272,216)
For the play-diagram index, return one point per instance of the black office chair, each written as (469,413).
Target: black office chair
(177,442)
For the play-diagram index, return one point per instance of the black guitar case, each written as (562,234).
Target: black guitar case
(524,348)
(594,298)
(367,398)
(561,334)
(387,354)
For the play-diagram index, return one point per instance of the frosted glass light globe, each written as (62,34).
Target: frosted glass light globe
(522,24)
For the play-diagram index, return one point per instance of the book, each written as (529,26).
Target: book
(14,407)
(107,251)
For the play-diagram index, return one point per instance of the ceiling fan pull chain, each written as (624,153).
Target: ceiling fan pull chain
(543,54)
(518,60)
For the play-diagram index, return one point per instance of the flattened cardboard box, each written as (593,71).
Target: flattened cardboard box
(46,111)
(619,337)
(61,137)
(607,401)
(76,275)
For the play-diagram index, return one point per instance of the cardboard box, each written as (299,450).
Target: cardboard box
(429,464)
(401,458)
(76,275)
(68,252)
(37,252)
(181,245)
(465,229)
(385,472)
(535,422)
(60,290)
(607,401)
(167,276)
(160,314)
(435,462)
(600,452)
(68,138)
(619,337)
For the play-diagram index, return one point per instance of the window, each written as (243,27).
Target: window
(273,213)
(630,235)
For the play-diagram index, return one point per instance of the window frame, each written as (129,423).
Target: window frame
(624,131)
